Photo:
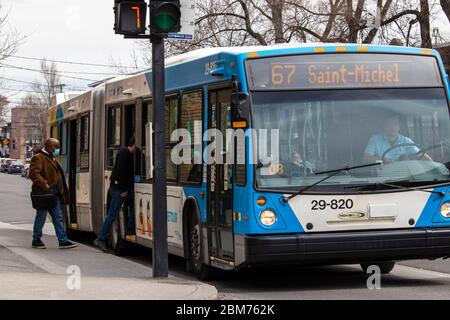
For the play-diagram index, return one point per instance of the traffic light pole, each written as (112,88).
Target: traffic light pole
(160,245)
(165,18)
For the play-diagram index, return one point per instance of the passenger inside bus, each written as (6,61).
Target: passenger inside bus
(298,167)
(390,146)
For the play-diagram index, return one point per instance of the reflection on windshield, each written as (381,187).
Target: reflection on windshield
(408,130)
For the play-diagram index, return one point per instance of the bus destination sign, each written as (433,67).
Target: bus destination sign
(343,71)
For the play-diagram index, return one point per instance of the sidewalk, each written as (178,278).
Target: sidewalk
(26,273)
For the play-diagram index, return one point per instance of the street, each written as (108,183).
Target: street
(27,273)
(409,280)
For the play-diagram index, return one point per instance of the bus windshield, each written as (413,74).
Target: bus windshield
(319,130)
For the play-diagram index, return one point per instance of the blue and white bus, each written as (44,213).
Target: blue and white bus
(362,175)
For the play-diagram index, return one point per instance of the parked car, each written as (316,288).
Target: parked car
(26,171)
(5,165)
(15,167)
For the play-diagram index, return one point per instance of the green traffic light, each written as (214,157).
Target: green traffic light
(167,16)
(165,22)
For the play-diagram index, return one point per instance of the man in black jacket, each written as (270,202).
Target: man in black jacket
(121,191)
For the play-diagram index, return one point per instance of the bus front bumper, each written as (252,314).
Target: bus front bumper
(348,247)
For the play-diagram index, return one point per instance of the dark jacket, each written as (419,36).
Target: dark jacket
(122,176)
(45,172)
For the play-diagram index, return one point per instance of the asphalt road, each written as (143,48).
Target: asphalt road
(409,280)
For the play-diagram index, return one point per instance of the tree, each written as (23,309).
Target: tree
(265,22)
(424,20)
(41,101)
(50,83)
(4,110)
(9,38)
(445,4)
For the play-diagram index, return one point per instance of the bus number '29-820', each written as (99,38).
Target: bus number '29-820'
(340,204)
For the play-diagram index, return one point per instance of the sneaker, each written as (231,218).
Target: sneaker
(101,245)
(68,245)
(38,244)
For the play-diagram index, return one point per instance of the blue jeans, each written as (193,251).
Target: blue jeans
(114,208)
(57,219)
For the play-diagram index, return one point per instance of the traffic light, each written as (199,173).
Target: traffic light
(165,16)
(130,17)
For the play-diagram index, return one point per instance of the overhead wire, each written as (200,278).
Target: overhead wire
(59,72)
(44,85)
(68,62)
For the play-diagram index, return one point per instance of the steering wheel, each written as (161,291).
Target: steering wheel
(417,155)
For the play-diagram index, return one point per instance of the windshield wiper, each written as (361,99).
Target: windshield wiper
(377,186)
(331,174)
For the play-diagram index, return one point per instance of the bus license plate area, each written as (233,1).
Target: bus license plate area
(383,211)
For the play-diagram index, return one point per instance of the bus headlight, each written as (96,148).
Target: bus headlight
(268,218)
(445,209)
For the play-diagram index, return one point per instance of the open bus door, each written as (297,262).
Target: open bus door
(130,132)
(220,193)
(72,172)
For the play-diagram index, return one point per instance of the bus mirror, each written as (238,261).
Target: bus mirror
(240,106)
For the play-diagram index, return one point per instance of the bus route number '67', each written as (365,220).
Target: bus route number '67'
(335,204)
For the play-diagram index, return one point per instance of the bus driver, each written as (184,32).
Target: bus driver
(380,143)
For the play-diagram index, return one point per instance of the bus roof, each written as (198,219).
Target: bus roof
(280,48)
(284,48)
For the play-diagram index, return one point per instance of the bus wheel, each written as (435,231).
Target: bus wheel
(118,245)
(385,267)
(196,252)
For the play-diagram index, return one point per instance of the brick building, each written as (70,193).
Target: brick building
(26,134)
(444,50)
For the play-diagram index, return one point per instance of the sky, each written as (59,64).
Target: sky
(67,30)
(78,31)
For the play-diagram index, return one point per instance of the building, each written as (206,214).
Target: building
(26,132)
(5,140)
(444,50)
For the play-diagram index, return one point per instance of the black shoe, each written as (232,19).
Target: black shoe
(101,245)
(68,245)
(38,244)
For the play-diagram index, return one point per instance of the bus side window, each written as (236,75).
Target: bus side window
(84,143)
(191,120)
(113,135)
(146,117)
(171,126)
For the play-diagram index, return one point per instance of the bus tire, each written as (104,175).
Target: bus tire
(385,267)
(196,251)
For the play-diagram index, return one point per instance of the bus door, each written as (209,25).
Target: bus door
(73,132)
(129,132)
(220,193)
(130,122)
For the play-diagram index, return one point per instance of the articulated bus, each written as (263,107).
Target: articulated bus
(362,168)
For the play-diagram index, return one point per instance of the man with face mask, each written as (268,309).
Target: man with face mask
(47,174)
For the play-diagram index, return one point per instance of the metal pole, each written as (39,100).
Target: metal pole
(159,203)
